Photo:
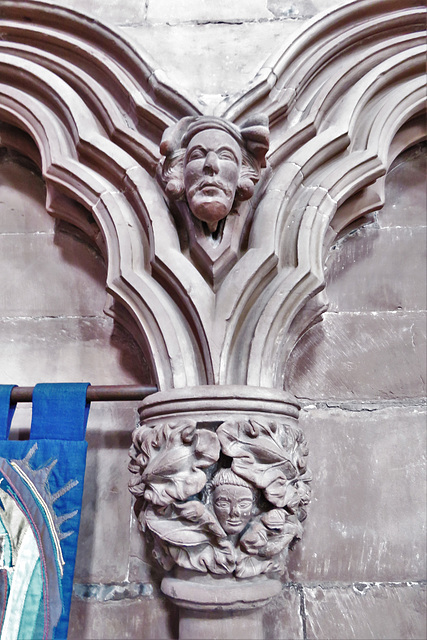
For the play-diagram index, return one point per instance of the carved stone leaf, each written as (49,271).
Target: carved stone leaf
(267,453)
(176,531)
(248,567)
(171,458)
(271,534)
(197,512)
(281,494)
(219,559)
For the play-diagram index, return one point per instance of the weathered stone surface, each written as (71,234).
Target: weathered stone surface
(112,592)
(104,494)
(70,350)
(139,619)
(162,11)
(220,624)
(22,201)
(377,270)
(281,616)
(302,10)
(245,47)
(205,11)
(382,266)
(105,520)
(380,612)
(31,251)
(361,355)
(404,206)
(32,259)
(366,520)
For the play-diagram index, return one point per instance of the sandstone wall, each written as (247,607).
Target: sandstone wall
(359,571)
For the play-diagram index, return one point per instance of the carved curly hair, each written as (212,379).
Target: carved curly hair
(252,137)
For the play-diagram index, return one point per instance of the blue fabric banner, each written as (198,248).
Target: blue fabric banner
(41,487)
(6,410)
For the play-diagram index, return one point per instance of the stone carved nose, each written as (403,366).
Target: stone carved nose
(211,165)
(234,510)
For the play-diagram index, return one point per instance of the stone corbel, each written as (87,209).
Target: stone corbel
(221,483)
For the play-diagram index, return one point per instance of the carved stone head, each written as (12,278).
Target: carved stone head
(213,163)
(233,500)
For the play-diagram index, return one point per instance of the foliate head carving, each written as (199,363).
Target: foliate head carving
(233,501)
(213,164)
(226,501)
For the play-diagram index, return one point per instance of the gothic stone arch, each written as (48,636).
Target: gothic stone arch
(216,315)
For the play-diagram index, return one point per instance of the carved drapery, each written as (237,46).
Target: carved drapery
(220,305)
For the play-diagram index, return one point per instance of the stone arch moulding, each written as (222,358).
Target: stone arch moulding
(95,111)
(217,316)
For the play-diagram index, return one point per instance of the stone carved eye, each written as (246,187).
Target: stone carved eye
(222,503)
(227,154)
(196,154)
(245,504)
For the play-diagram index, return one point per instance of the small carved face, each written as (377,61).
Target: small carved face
(212,166)
(233,507)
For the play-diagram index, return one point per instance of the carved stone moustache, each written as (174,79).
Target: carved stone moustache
(228,501)
(212,167)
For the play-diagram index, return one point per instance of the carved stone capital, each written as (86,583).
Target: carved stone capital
(222,480)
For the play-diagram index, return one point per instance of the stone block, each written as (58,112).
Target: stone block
(68,350)
(103,548)
(383,266)
(281,616)
(22,201)
(378,270)
(380,612)
(367,517)
(106,508)
(360,356)
(244,48)
(406,207)
(77,288)
(137,619)
(161,11)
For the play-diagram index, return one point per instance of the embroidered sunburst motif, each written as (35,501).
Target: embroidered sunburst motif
(31,558)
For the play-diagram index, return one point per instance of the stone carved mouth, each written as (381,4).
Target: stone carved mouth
(209,184)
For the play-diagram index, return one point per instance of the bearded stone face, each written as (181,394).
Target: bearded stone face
(212,166)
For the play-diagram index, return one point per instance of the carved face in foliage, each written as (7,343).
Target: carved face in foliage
(212,165)
(233,507)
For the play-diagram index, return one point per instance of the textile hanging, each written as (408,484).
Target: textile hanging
(41,487)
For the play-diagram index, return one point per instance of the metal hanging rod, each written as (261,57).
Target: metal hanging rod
(94,393)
